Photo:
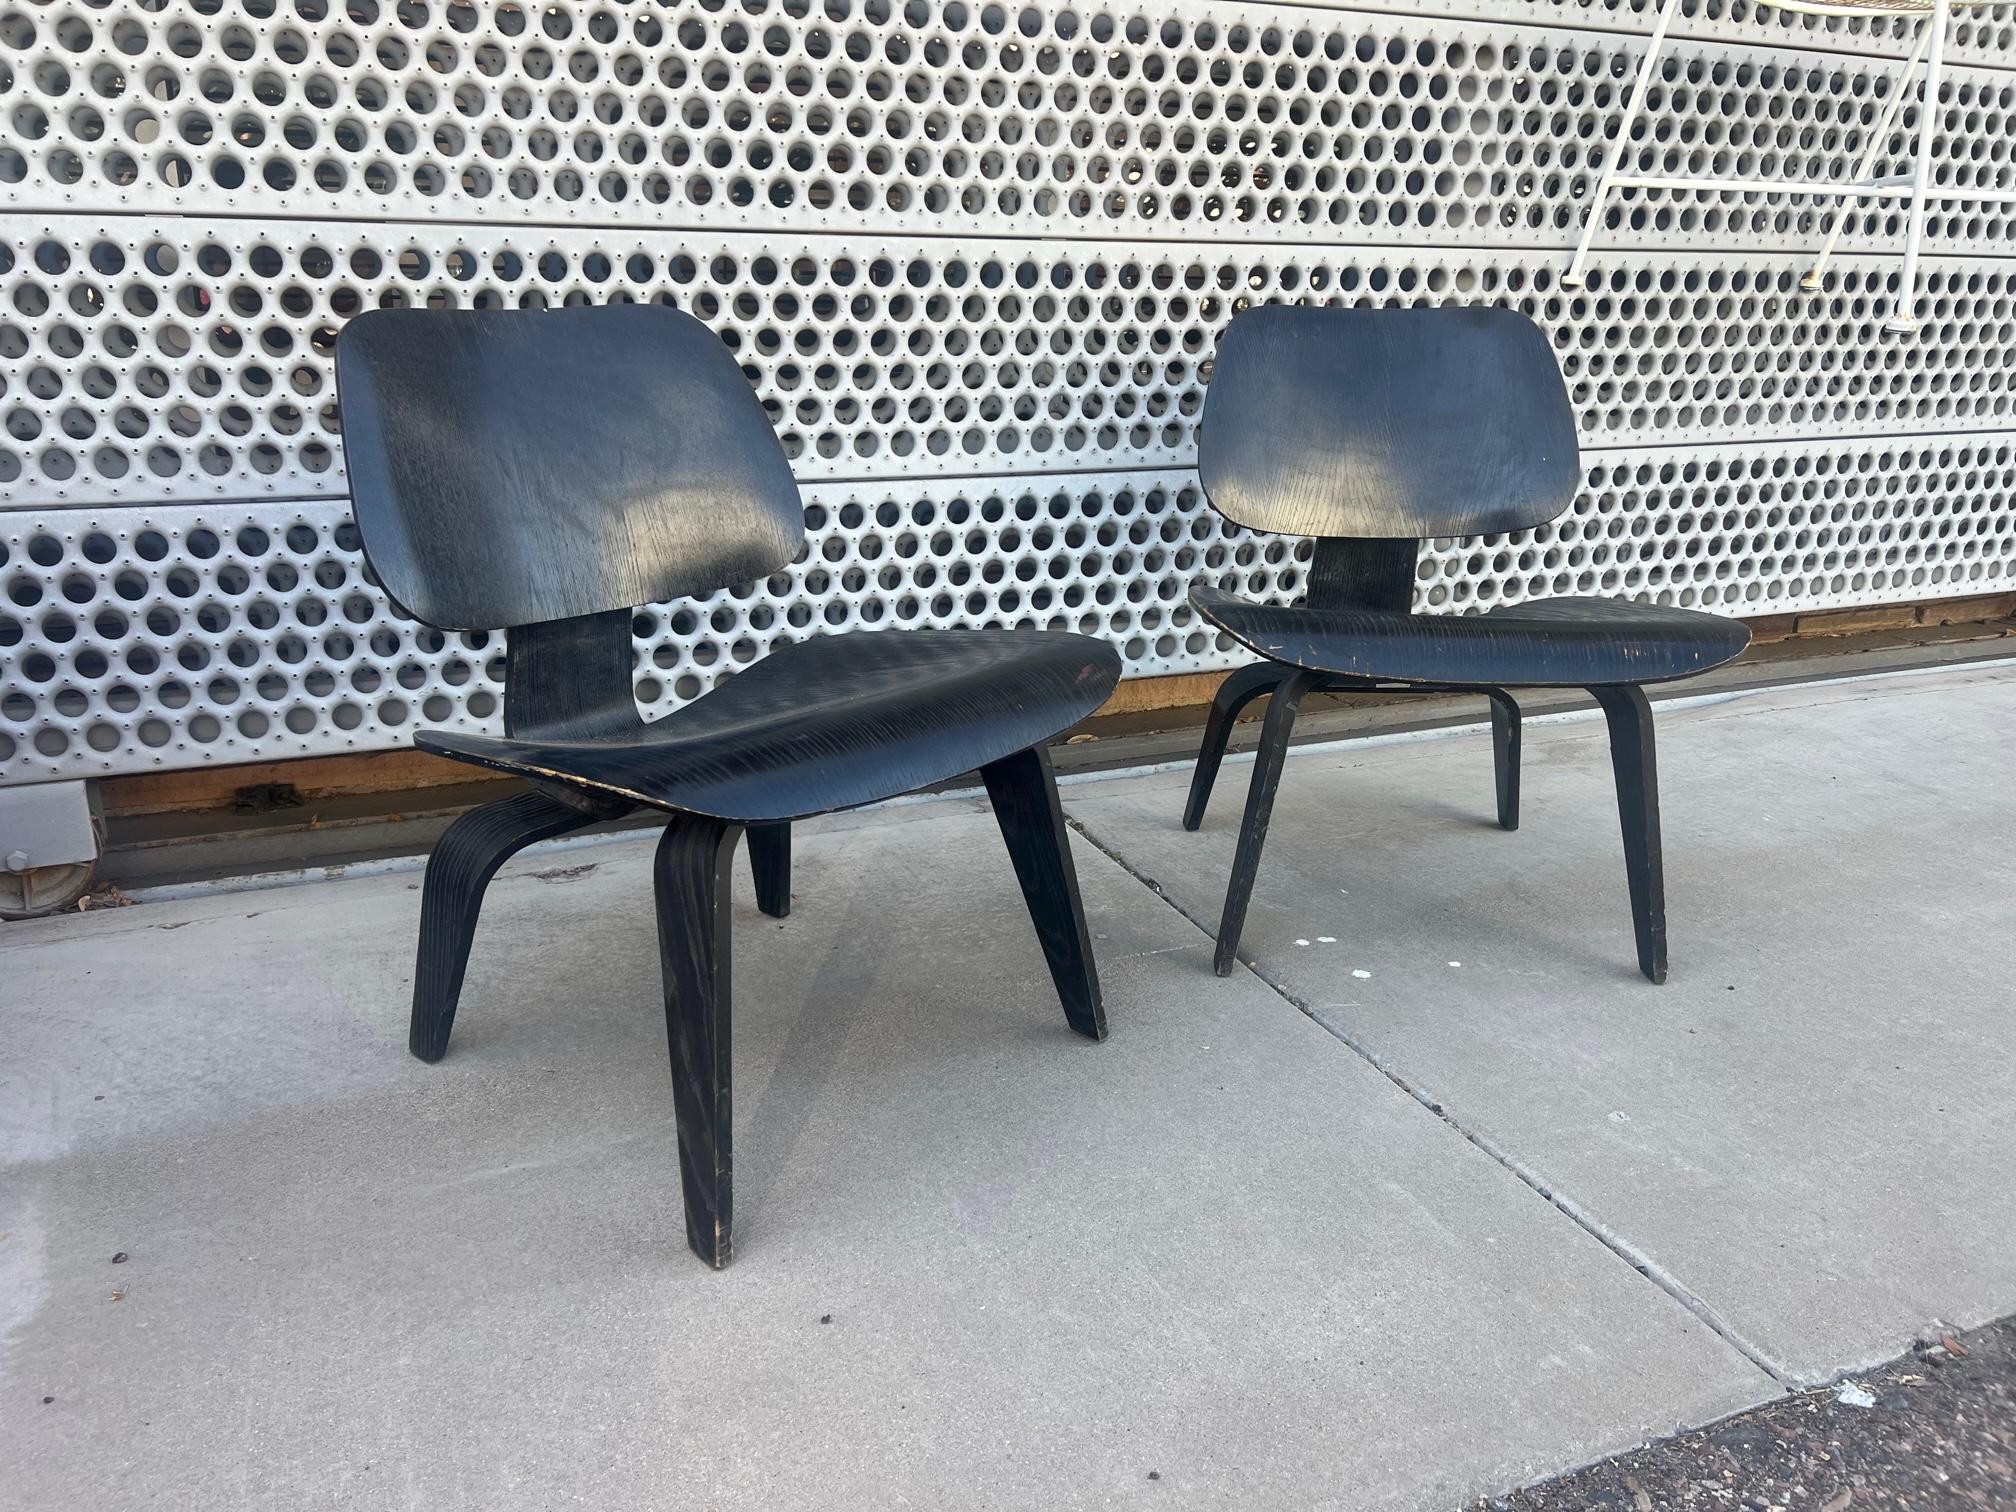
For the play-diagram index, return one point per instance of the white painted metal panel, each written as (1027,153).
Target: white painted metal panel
(975,259)
(170,636)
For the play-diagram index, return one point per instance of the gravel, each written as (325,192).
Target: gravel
(1940,1432)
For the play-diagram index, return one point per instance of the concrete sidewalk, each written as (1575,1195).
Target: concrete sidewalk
(1808,1133)
(1448,1229)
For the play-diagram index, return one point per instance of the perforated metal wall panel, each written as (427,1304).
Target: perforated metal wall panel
(1187,119)
(975,259)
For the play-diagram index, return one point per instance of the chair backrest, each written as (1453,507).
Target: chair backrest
(1387,423)
(510,467)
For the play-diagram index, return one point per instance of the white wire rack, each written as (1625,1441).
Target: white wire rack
(1924,180)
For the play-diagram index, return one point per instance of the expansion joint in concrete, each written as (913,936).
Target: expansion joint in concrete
(1572,1211)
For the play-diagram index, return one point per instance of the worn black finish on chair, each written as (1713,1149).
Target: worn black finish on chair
(1372,430)
(544,473)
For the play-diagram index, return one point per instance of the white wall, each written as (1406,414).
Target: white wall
(974,258)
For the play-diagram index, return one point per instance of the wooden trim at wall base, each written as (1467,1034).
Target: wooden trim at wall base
(1178,690)
(313,778)
(319,778)
(1981,609)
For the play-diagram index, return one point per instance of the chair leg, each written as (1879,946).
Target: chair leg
(1903,319)
(1024,794)
(694,883)
(1259,809)
(1879,141)
(1505,755)
(1621,149)
(1637,771)
(770,860)
(1233,694)
(465,858)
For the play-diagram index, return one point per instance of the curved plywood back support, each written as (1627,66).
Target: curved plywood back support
(516,466)
(1387,423)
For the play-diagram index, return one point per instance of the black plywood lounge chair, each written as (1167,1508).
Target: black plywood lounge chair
(1372,430)
(545,473)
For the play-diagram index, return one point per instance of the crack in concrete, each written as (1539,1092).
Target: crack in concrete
(1643,1264)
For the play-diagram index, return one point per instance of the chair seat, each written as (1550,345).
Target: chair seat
(1543,643)
(829,724)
